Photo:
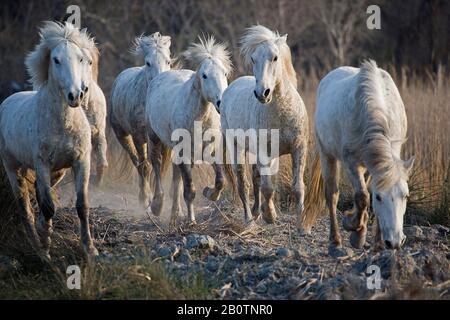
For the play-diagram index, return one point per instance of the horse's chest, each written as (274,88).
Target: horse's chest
(61,151)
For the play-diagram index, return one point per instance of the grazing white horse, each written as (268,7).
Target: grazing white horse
(175,100)
(127,107)
(94,104)
(360,121)
(267,100)
(47,132)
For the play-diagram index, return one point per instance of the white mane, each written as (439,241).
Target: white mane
(207,48)
(372,128)
(143,45)
(52,34)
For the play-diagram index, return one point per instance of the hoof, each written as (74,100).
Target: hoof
(347,222)
(304,231)
(358,238)
(211,194)
(336,251)
(256,213)
(250,225)
(156,205)
(268,213)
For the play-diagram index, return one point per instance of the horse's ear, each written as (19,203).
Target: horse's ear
(408,165)
(282,40)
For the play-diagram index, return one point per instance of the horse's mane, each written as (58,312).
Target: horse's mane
(52,34)
(208,48)
(256,35)
(143,45)
(371,129)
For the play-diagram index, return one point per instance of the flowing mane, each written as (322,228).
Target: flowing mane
(208,48)
(52,34)
(143,45)
(372,128)
(255,36)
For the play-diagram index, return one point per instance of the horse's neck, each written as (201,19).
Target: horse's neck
(54,107)
(197,107)
(283,93)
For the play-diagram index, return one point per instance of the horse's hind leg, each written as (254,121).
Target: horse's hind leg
(357,222)
(269,213)
(330,174)
(20,190)
(156,149)
(100,147)
(256,177)
(81,170)
(176,185)
(214,194)
(143,168)
(298,171)
(189,190)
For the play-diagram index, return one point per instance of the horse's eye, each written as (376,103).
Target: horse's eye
(148,64)
(253,61)
(81,60)
(378,197)
(56,60)
(168,63)
(204,76)
(90,63)
(275,58)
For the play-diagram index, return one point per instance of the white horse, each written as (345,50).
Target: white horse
(361,122)
(127,105)
(267,100)
(94,105)
(47,132)
(175,100)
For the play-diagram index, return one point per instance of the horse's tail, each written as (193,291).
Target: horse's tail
(314,200)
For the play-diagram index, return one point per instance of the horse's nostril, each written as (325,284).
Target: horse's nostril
(86,89)
(81,95)
(70,96)
(218,103)
(254,92)
(388,244)
(266,93)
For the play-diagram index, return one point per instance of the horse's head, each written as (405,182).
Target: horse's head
(214,66)
(265,51)
(389,205)
(66,70)
(88,75)
(59,60)
(156,52)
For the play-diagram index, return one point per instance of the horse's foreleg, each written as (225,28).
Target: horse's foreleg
(214,194)
(330,174)
(143,169)
(155,147)
(100,147)
(298,171)
(268,207)
(256,177)
(81,171)
(189,189)
(357,222)
(20,191)
(46,205)
(176,185)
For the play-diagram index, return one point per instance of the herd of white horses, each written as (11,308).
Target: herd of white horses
(360,125)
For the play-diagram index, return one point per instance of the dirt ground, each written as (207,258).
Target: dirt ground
(266,262)
(271,261)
